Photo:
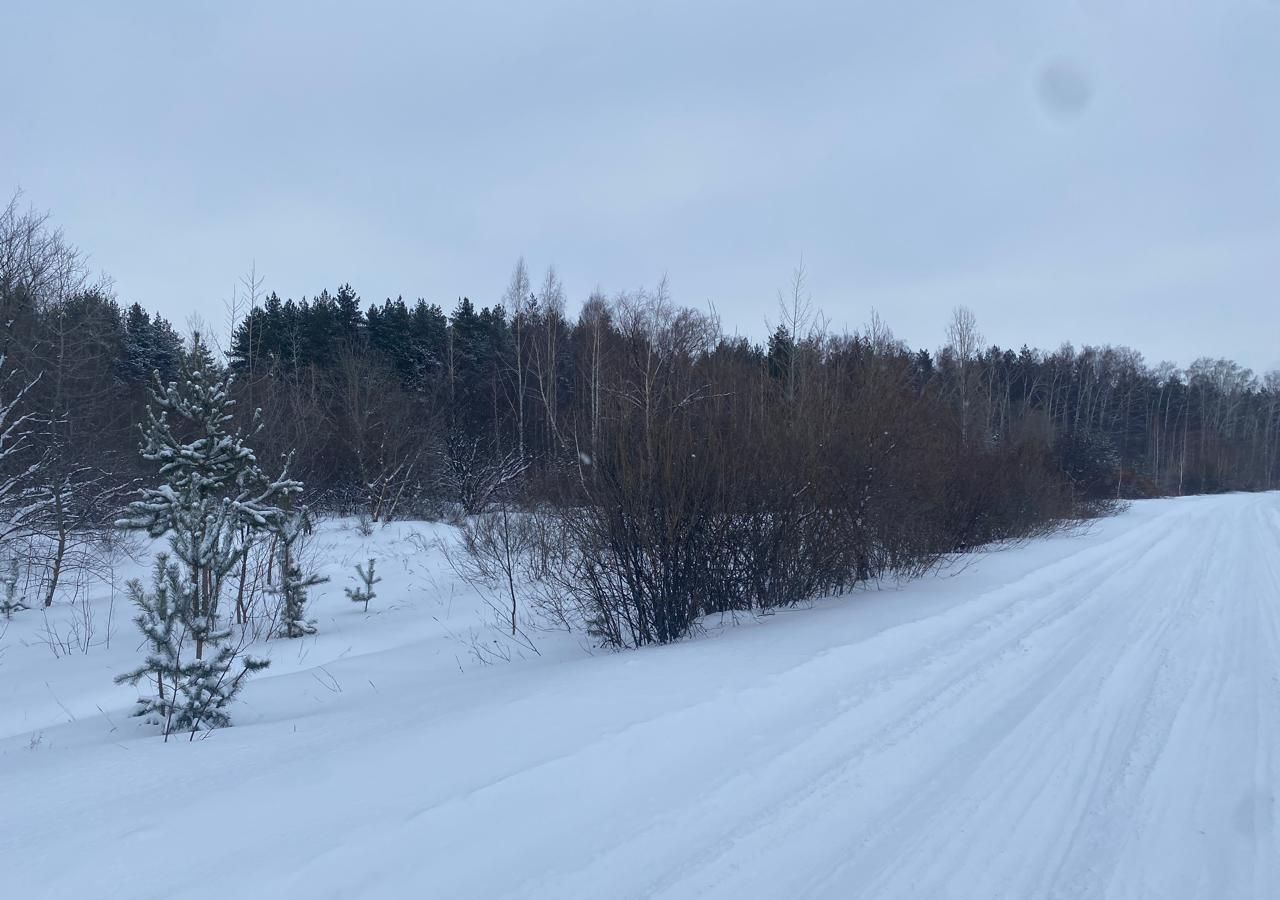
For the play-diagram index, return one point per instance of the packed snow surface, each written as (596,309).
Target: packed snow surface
(1089,715)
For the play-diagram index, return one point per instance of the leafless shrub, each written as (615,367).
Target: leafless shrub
(476,474)
(499,552)
(74,625)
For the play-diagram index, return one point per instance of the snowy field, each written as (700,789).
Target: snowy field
(1087,716)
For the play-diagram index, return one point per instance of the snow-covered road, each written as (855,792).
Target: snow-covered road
(1087,716)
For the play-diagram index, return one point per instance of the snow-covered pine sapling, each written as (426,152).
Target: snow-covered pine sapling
(294,583)
(192,694)
(10,602)
(364,593)
(212,501)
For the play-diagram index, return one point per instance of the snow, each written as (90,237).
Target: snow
(1088,715)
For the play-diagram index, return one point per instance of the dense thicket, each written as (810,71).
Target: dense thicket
(402,400)
(671,470)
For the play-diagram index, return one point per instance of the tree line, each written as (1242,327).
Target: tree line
(641,466)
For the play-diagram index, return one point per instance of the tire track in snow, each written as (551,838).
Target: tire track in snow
(999,777)
(946,688)
(927,800)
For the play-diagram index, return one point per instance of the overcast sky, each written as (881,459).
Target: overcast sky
(1094,171)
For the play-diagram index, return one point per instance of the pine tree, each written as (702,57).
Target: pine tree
(429,330)
(319,330)
(192,694)
(781,349)
(212,502)
(470,400)
(294,583)
(148,345)
(364,593)
(347,312)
